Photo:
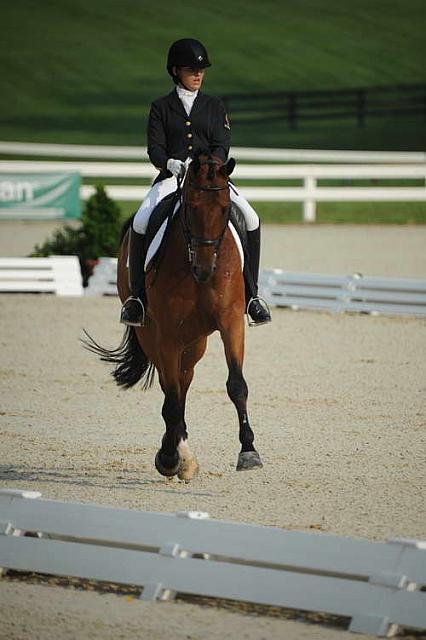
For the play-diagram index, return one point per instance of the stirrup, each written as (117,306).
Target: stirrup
(137,321)
(251,321)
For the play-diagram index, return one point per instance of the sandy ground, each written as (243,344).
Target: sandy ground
(337,403)
(339,249)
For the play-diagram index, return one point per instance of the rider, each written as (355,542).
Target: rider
(180,123)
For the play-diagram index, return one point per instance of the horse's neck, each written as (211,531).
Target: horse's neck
(176,249)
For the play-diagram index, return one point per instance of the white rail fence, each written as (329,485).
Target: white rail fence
(239,153)
(355,293)
(377,585)
(242,171)
(57,274)
(309,194)
(103,282)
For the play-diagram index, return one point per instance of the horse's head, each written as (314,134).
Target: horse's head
(206,212)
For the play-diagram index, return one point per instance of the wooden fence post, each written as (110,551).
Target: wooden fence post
(292,110)
(309,203)
(361,99)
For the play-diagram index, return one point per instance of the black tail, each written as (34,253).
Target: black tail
(132,363)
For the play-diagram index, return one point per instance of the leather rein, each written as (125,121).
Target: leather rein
(196,241)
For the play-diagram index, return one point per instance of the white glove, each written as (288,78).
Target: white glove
(176,167)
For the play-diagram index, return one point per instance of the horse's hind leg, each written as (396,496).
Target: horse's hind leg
(233,340)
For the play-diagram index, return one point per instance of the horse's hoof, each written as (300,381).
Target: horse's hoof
(166,471)
(248,460)
(188,469)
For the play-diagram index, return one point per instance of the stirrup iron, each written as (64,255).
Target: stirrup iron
(263,303)
(128,323)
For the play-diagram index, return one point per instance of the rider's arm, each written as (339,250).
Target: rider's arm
(156,137)
(221,134)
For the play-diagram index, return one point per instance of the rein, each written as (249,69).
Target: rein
(193,242)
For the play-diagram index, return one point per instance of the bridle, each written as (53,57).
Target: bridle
(193,242)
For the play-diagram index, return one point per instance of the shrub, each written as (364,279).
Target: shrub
(98,235)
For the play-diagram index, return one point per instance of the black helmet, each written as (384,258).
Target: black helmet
(187,53)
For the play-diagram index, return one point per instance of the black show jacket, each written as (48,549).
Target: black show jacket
(174,134)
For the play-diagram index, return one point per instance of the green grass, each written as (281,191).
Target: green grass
(85,72)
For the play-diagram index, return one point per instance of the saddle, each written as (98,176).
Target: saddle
(159,225)
(162,211)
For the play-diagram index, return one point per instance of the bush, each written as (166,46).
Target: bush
(98,235)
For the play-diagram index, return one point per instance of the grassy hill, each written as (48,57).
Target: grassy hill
(86,72)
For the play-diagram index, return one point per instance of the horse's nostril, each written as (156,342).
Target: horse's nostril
(201,275)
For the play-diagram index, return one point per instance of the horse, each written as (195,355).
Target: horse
(197,288)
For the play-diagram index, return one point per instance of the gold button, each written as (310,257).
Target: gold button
(189,135)
(190,148)
(188,123)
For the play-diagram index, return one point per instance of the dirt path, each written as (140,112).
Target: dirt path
(337,405)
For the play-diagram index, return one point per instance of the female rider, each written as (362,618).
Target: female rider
(181,123)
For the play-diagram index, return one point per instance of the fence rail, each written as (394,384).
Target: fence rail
(356,293)
(310,193)
(375,584)
(242,171)
(56,274)
(239,153)
(358,104)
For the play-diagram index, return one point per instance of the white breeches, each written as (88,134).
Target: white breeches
(160,190)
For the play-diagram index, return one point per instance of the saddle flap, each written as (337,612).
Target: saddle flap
(169,207)
(162,211)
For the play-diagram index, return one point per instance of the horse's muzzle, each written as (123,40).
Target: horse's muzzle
(202,274)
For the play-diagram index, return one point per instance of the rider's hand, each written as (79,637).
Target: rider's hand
(176,167)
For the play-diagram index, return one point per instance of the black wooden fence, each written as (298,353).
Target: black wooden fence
(358,104)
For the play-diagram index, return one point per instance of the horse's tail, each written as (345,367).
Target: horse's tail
(132,364)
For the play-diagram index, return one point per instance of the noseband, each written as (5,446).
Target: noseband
(195,241)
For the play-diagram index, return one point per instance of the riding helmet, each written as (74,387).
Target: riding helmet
(187,52)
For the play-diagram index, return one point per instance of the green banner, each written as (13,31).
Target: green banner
(39,196)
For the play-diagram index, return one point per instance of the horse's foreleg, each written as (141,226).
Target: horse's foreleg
(233,340)
(167,460)
(191,355)
(188,462)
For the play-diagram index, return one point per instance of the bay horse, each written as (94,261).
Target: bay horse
(198,289)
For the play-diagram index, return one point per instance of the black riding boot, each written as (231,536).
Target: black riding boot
(133,310)
(257,309)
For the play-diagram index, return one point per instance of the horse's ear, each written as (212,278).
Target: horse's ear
(227,169)
(230,166)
